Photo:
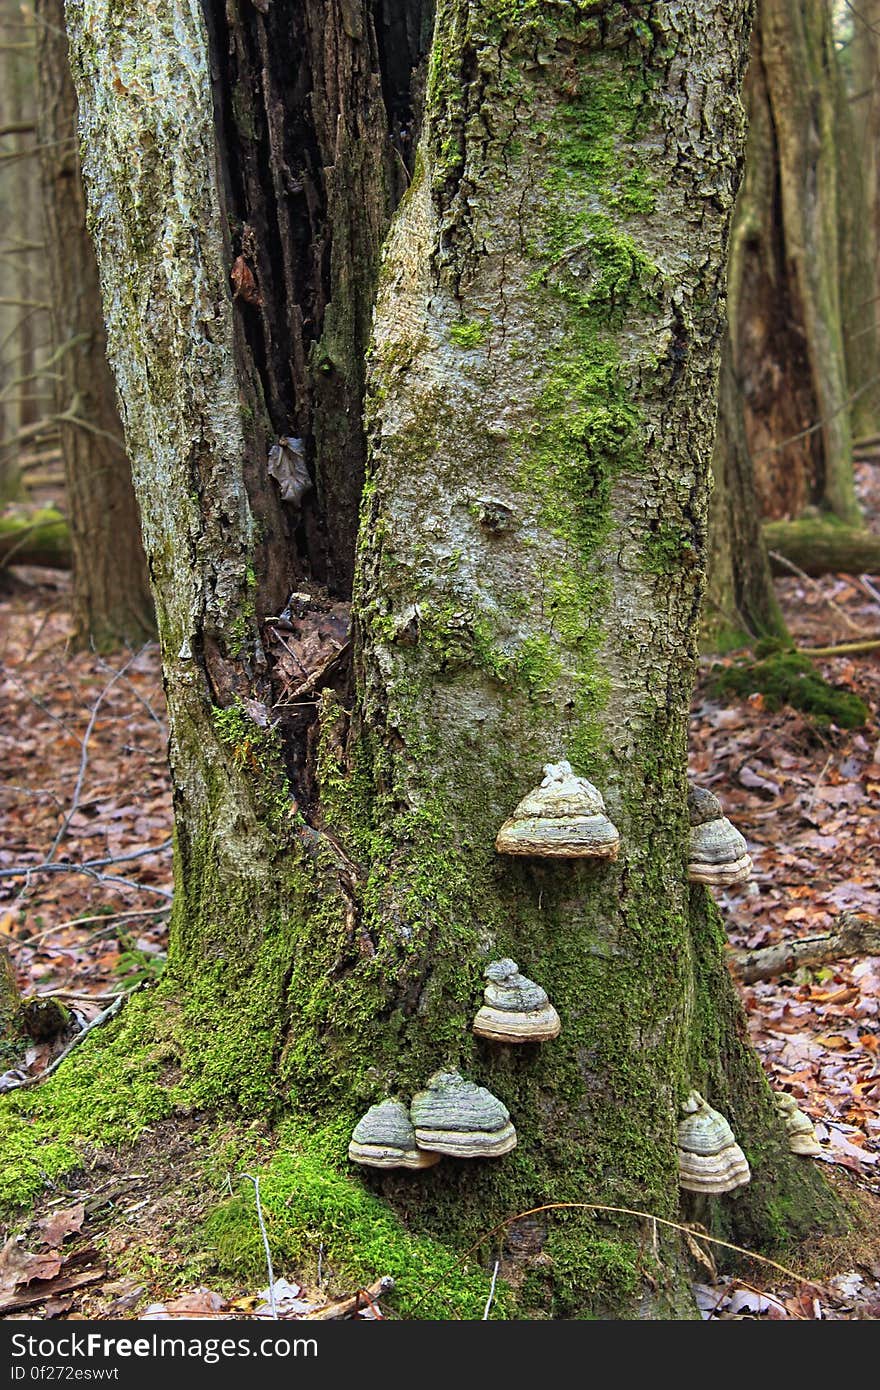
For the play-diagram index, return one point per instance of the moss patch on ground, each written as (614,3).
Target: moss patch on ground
(310,1205)
(120,1080)
(788,679)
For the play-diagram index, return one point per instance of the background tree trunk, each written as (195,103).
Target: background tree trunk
(864,97)
(111,593)
(527,584)
(785,269)
(21,317)
(740,603)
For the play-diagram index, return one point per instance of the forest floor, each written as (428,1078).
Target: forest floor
(85,883)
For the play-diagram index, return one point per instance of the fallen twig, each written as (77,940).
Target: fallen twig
(854,936)
(814,584)
(108,917)
(845,649)
(343,1307)
(611,1211)
(491,1292)
(256,1182)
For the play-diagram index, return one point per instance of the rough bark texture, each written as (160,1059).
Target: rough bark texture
(740,603)
(785,268)
(540,418)
(112,602)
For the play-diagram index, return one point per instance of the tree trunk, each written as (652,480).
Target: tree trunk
(526,585)
(785,269)
(12,1034)
(864,99)
(857,254)
(740,604)
(21,317)
(111,592)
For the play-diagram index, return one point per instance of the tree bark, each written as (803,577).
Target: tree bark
(785,269)
(112,602)
(527,582)
(21,318)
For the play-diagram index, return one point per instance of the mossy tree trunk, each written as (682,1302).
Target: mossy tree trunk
(12,1034)
(526,585)
(740,603)
(111,591)
(785,273)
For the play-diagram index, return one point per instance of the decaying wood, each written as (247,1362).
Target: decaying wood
(823,549)
(854,936)
(344,1307)
(43,541)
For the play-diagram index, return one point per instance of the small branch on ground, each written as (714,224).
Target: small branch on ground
(344,1307)
(854,936)
(845,649)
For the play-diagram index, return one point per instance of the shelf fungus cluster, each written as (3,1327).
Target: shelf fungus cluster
(798,1126)
(709,1158)
(515,1010)
(563,818)
(451,1116)
(718,853)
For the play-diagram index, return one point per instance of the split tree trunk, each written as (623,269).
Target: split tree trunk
(526,586)
(112,602)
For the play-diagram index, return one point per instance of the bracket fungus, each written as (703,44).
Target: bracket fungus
(454,1116)
(709,1158)
(516,1009)
(798,1126)
(563,818)
(385,1138)
(718,852)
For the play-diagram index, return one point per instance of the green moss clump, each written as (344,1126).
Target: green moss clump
(468,334)
(309,1203)
(121,1079)
(258,753)
(790,679)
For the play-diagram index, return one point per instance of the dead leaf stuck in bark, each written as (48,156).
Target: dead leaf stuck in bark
(243,282)
(287,465)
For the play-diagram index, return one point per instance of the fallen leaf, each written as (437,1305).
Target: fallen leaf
(55,1228)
